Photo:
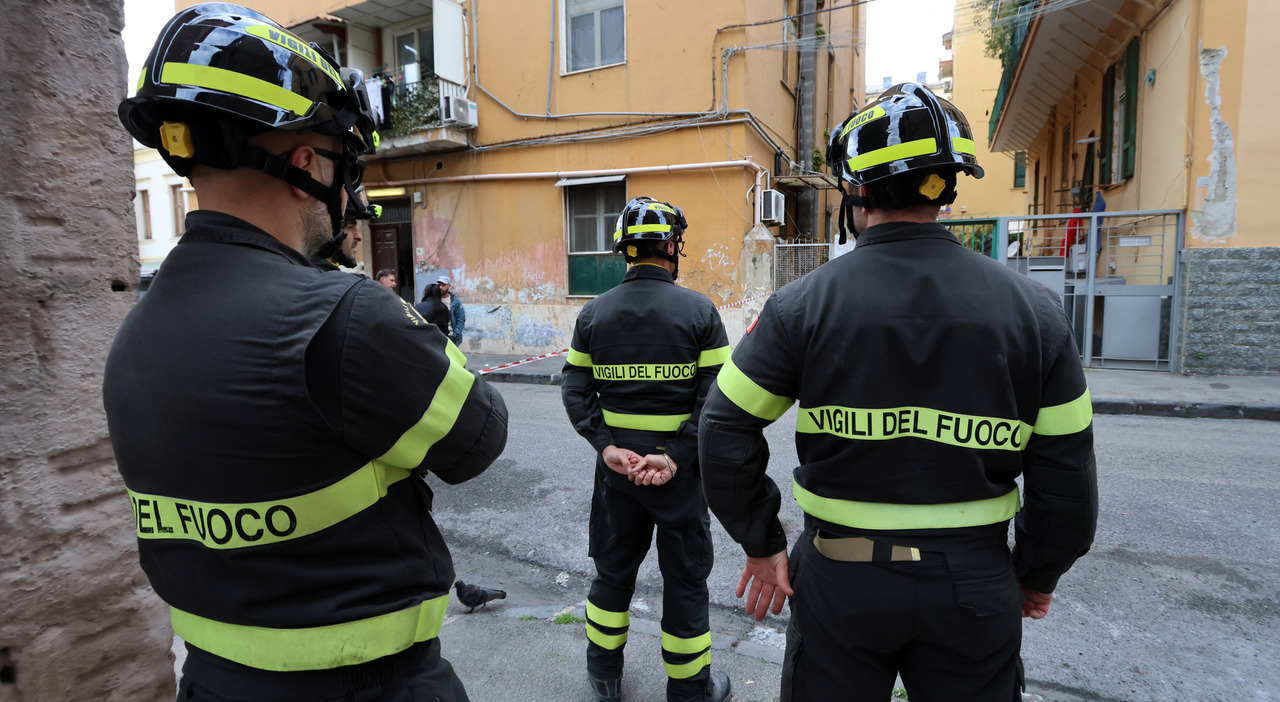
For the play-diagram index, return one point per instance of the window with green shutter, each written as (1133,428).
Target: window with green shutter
(592,214)
(1129,148)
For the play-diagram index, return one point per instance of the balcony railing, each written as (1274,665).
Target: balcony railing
(1011,56)
(415,106)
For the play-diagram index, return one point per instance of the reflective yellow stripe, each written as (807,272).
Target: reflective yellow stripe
(439,418)
(889,154)
(884,515)
(279,38)
(645,422)
(680,671)
(641,229)
(317,647)
(603,640)
(604,617)
(578,358)
(969,431)
(963,146)
(660,207)
(1069,418)
(235,83)
(142,78)
(650,371)
(455,355)
(714,357)
(221,525)
(746,394)
(863,117)
(675,644)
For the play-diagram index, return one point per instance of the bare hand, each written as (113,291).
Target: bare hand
(655,469)
(1035,604)
(769,582)
(620,460)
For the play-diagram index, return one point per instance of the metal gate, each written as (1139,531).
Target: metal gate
(793,261)
(1116,272)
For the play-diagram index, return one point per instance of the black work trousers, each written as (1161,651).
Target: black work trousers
(417,674)
(949,624)
(623,519)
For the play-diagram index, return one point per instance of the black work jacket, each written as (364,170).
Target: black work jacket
(247,383)
(928,376)
(643,357)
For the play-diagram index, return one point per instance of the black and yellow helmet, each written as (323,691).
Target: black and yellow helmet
(907,128)
(219,73)
(646,219)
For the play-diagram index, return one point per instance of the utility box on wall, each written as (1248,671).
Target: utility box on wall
(773,206)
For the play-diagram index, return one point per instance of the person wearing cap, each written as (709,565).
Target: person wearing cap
(642,359)
(273,423)
(458,315)
(928,378)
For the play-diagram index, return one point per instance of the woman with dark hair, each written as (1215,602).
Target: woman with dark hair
(433,309)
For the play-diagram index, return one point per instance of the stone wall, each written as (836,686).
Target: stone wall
(1230,311)
(77,618)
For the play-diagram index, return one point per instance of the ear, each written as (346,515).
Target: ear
(304,157)
(669,247)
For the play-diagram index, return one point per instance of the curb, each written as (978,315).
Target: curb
(1146,408)
(1186,410)
(525,378)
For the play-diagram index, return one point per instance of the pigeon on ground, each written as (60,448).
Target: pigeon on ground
(475,596)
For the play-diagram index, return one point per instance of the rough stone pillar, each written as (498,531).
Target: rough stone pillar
(77,618)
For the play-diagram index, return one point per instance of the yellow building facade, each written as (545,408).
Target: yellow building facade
(1159,107)
(515,132)
(1003,189)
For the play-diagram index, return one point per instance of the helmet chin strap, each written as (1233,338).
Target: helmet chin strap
(674,258)
(847,202)
(277,166)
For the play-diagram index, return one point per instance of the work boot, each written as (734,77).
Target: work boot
(718,687)
(606,690)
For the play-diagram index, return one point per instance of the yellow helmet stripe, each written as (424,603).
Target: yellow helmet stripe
(236,84)
(862,118)
(963,146)
(641,229)
(283,39)
(897,152)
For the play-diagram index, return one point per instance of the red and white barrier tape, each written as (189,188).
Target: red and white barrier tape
(743,302)
(561,352)
(522,361)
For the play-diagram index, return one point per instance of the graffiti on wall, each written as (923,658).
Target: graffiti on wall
(717,258)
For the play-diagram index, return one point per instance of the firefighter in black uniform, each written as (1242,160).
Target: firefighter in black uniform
(643,357)
(273,423)
(928,377)
(344,255)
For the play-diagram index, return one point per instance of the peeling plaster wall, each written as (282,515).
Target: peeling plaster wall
(77,618)
(1215,220)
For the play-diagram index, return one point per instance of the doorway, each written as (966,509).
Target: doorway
(392,245)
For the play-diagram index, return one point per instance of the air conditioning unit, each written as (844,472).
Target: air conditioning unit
(459,112)
(773,205)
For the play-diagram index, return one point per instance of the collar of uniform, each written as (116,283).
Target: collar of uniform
(905,231)
(648,271)
(222,228)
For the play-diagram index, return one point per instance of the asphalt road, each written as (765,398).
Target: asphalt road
(1178,600)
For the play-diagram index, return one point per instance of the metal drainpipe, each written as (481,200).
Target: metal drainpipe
(536,175)
(806,100)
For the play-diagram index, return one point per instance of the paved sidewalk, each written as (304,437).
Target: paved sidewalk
(1153,393)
